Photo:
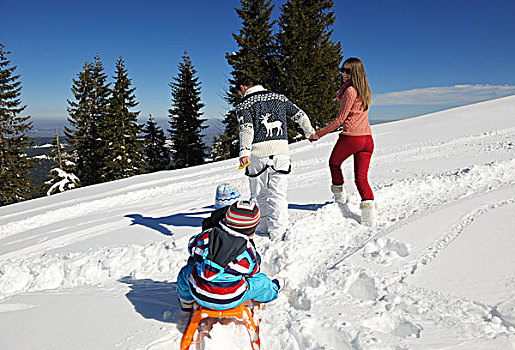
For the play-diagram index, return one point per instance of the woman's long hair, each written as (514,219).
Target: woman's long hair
(358,79)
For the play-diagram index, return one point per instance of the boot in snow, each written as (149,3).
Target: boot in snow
(339,193)
(368,213)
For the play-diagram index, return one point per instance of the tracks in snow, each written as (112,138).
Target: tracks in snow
(130,196)
(428,254)
(404,202)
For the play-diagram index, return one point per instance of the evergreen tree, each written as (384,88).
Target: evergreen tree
(61,181)
(14,164)
(223,146)
(62,174)
(256,57)
(226,144)
(87,117)
(188,148)
(122,144)
(80,120)
(157,157)
(309,58)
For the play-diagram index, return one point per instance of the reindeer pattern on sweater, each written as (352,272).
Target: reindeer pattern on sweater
(262,118)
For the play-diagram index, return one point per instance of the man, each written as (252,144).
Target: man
(264,143)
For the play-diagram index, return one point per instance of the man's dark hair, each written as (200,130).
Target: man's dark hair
(245,81)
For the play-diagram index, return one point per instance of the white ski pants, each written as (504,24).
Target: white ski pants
(269,190)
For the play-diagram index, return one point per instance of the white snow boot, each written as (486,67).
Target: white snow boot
(339,193)
(368,213)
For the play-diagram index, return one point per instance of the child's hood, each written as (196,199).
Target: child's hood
(225,247)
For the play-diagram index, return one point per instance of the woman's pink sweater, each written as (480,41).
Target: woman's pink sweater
(351,115)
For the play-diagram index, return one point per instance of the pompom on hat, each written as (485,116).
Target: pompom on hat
(226,194)
(243,216)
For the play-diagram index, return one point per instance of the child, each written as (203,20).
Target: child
(226,194)
(223,270)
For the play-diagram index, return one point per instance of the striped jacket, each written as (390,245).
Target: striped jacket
(223,260)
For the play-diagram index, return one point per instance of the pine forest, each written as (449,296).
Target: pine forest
(106,137)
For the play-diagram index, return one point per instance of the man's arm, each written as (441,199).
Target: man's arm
(246,133)
(300,117)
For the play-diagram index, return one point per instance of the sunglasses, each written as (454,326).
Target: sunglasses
(345,70)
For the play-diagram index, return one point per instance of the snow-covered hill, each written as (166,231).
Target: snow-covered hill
(95,268)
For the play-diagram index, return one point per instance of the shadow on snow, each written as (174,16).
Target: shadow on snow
(194,219)
(311,207)
(191,219)
(156,300)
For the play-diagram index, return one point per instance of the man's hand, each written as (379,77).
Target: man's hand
(313,137)
(244,161)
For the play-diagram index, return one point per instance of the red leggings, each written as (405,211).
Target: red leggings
(362,148)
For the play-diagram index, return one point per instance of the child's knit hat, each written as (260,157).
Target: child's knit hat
(226,194)
(243,216)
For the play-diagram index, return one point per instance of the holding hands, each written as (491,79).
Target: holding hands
(313,137)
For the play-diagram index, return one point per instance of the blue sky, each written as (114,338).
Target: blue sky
(420,56)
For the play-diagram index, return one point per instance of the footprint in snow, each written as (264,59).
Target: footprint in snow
(385,250)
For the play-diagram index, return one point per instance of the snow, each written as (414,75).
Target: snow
(68,181)
(42,156)
(46,145)
(96,267)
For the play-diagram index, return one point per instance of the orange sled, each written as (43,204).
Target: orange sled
(243,313)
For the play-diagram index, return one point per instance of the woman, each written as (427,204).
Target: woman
(355,138)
